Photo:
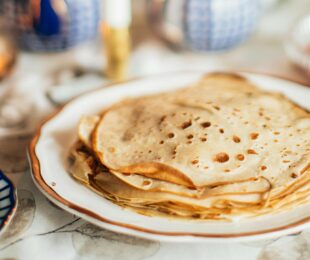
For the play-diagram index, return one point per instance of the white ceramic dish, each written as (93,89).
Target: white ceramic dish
(48,153)
(297,44)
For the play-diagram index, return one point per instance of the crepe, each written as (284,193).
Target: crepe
(230,139)
(225,201)
(219,148)
(112,187)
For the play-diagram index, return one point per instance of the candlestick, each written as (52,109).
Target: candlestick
(115,29)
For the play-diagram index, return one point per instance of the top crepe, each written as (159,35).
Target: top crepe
(222,130)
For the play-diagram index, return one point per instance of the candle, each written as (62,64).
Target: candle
(117,19)
(117,13)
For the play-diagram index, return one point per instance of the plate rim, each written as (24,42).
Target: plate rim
(70,206)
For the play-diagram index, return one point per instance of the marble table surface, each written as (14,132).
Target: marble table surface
(41,230)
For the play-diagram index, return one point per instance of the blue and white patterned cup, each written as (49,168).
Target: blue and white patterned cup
(8,201)
(205,25)
(51,25)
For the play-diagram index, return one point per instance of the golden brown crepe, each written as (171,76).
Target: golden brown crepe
(214,150)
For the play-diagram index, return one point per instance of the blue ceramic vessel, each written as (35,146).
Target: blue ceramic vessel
(7,200)
(204,25)
(51,25)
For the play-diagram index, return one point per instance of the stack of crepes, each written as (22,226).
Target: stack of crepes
(219,149)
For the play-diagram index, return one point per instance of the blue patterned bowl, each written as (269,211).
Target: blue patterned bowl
(204,25)
(8,201)
(51,25)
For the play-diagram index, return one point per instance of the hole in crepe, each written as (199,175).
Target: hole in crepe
(205,124)
(294,175)
(226,170)
(197,118)
(145,183)
(246,122)
(189,142)
(195,161)
(171,135)
(216,107)
(162,119)
(150,151)
(206,167)
(251,151)
(240,157)
(254,136)
(260,113)
(286,161)
(221,157)
(267,118)
(190,136)
(236,139)
(186,124)
(203,139)
(53,183)
(263,167)
(275,140)
(161,142)
(184,113)
(221,130)
(264,125)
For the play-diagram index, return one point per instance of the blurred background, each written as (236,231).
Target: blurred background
(53,50)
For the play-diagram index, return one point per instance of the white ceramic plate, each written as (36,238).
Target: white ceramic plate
(48,153)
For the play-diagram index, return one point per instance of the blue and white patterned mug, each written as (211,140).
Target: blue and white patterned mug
(8,201)
(205,25)
(51,25)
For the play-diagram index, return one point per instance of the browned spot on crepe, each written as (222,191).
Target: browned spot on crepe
(221,157)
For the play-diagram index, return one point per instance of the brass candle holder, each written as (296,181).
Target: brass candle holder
(117,47)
